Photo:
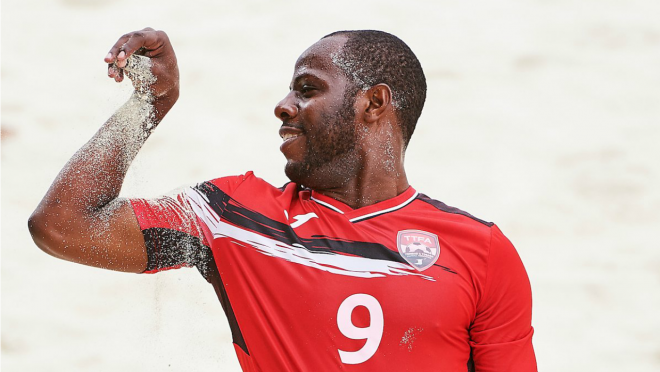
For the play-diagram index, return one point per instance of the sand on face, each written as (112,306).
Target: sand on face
(542,117)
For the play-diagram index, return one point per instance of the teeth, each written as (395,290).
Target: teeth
(289,136)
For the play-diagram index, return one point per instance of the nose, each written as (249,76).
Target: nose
(286,108)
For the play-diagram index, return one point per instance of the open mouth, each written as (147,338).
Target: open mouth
(288,136)
(289,133)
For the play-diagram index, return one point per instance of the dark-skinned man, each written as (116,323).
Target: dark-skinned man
(347,267)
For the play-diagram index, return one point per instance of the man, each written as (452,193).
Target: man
(345,268)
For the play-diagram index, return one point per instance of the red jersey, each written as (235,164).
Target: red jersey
(310,284)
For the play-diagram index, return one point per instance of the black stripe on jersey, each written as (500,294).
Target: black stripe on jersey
(237,214)
(320,243)
(445,208)
(168,248)
(213,277)
(470,363)
(218,200)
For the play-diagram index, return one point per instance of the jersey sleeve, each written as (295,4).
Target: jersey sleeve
(501,334)
(173,234)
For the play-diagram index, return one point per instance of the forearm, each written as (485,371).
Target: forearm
(76,211)
(93,177)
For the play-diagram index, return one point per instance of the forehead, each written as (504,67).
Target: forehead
(318,58)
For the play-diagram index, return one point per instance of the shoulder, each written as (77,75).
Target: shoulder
(472,234)
(492,246)
(473,228)
(479,239)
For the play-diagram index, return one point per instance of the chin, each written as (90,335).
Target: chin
(302,174)
(321,178)
(294,171)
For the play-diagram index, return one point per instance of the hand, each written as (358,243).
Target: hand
(155,45)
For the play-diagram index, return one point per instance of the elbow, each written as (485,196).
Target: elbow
(43,232)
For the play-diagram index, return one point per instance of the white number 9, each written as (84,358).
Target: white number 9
(373,333)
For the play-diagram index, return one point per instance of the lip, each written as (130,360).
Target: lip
(289,130)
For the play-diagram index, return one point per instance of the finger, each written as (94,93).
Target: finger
(112,70)
(120,76)
(133,44)
(112,54)
(146,42)
(121,59)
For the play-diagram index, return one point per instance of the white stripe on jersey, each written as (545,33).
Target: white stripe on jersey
(327,205)
(359,218)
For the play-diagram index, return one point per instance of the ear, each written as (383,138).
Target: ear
(379,98)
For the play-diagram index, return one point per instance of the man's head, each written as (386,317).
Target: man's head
(342,86)
(375,57)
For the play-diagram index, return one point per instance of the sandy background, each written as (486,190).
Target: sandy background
(543,116)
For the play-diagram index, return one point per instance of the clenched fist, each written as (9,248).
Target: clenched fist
(157,47)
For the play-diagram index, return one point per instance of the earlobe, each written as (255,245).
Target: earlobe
(379,98)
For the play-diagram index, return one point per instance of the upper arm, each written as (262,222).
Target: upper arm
(501,335)
(135,235)
(109,237)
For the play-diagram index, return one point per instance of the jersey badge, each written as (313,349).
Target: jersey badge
(420,248)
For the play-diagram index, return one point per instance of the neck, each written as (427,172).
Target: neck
(372,186)
(380,175)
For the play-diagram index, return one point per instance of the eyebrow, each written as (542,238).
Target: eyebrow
(304,75)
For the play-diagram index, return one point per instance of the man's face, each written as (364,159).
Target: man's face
(318,120)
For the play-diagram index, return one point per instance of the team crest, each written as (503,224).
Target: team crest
(420,248)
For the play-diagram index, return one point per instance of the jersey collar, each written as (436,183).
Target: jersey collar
(364,213)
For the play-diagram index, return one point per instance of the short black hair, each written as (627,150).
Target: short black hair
(371,57)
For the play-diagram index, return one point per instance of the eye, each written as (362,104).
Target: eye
(307,89)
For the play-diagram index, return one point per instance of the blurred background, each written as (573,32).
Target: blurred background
(542,116)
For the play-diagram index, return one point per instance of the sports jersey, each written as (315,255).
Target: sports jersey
(310,284)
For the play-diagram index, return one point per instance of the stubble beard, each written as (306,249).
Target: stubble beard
(332,158)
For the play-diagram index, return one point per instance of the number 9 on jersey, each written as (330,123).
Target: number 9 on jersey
(373,333)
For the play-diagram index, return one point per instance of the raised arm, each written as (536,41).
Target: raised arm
(81,218)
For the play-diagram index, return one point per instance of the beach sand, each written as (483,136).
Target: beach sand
(543,117)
